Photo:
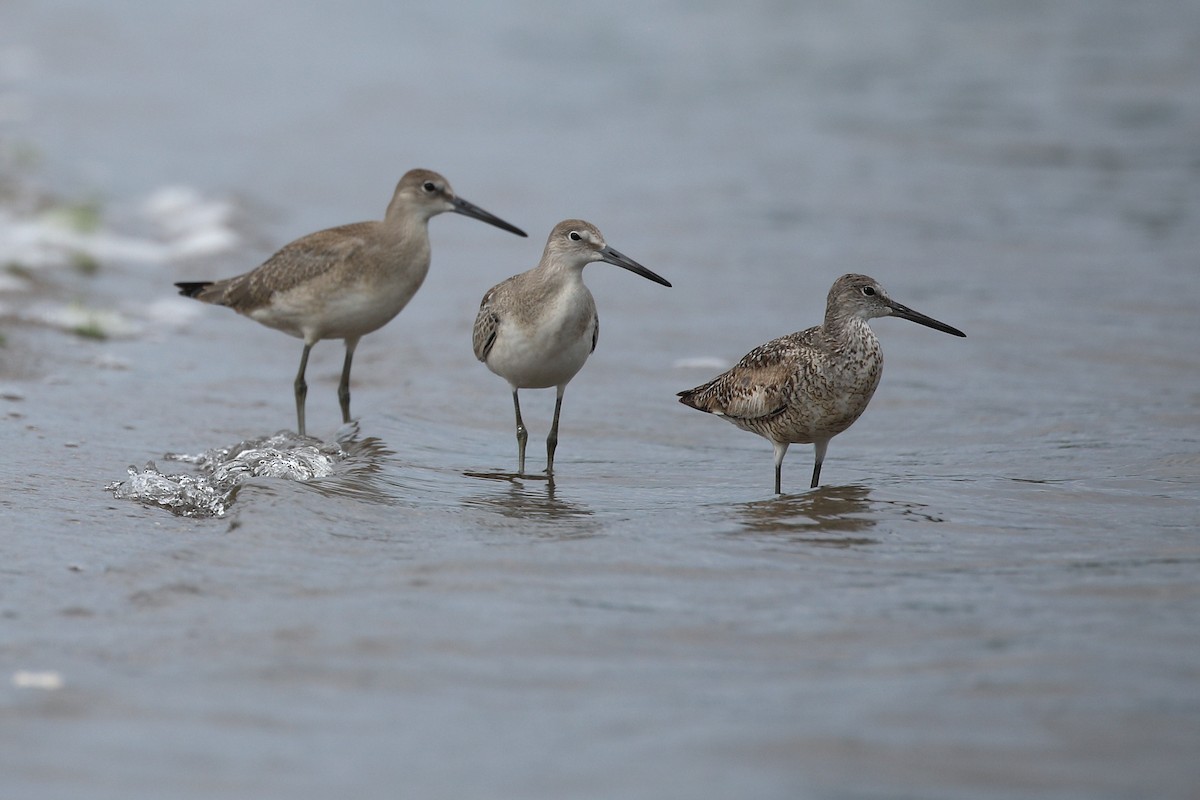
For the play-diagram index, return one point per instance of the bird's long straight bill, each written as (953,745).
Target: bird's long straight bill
(611,256)
(904,312)
(471,210)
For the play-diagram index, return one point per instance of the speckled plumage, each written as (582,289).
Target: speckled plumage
(808,387)
(537,329)
(345,282)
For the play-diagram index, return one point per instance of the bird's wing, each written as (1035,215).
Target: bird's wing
(487,322)
(484,334)
(757,387)
(295,264)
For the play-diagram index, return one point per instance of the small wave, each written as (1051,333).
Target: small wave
(700,362)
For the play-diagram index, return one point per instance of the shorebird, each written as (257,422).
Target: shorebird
(811,385)
(345,282)
(537,329)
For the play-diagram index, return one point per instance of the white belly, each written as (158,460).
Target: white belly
(543,355)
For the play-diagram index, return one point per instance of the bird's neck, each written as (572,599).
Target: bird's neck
(849,335)
(556,272)
(402,221)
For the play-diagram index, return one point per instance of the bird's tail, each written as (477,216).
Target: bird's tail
(698,398)
(193,289)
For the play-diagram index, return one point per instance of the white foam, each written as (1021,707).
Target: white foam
(701,362)
(189,226)
(46,680)
(192,225)
(77,318)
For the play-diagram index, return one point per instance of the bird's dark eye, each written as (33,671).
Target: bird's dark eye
(575,237)
(429,186)
(869,291)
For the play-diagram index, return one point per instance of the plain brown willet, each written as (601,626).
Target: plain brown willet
(345,282)
(810,386)
(537,329)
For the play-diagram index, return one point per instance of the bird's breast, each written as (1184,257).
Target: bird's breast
(545,346)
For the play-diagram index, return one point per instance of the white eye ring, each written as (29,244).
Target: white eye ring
(869,291)
(575,237)
(429,186)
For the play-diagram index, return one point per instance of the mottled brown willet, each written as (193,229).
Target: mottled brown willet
(812,385)
(345,282)
(537,329)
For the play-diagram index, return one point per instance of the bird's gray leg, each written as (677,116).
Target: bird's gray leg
(819,451)
(301,388)
(344,384)
(780,450)
(522,435)
(552,439)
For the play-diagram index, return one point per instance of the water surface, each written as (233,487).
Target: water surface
(993,595)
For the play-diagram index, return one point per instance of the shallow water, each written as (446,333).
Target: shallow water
(993,595)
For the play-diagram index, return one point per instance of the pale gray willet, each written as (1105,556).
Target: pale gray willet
(537,329)
(345,282)
(812,385)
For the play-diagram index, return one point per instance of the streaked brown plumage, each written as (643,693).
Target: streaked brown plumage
(345,282)
(811,385)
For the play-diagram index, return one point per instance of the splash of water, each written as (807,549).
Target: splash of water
(222,470)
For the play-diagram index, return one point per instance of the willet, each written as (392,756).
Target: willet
(345,282)
(537,329)
(811,385)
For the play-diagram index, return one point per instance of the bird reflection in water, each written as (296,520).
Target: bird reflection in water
(825,516)
(533,504)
